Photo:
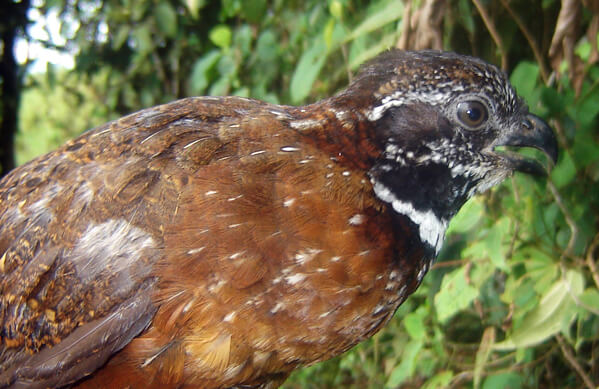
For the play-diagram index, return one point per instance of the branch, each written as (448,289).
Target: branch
(590,260)
(531,41)
(493,31)
(569,220)
(573,362)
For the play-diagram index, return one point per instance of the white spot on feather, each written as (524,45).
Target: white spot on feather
(191,144)
(277,307)
(295,278)
(357,219)
(229,317)
(302,257)
(195,251)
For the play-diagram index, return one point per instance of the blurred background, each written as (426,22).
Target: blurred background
(513,301)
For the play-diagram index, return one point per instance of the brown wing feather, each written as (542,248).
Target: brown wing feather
(80,230)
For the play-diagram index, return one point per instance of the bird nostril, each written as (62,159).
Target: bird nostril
(527,124)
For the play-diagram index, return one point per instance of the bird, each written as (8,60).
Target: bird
(222,242)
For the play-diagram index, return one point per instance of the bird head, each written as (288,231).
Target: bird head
(438,119)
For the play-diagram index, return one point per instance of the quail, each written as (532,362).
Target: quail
(222,242)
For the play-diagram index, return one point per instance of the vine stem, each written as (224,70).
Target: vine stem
(531,41)
(493,31)
(590,260)
(569,355)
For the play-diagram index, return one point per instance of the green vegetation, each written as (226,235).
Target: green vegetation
(514,299)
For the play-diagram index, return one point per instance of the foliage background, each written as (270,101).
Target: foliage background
(514,299)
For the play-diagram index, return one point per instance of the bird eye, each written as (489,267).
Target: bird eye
(472,114)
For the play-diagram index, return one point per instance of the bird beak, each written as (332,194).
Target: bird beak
(534,132)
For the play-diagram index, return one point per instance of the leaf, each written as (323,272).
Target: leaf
(143,39)
(194,7)
(328,32)
(455,294)
(336,9)
(465,14)
(120,37)
(406,368)
(439,381)
(468,216)
(590,298)
(564,172)
(392,12)
(221,36)
(253,10)
(307,70)
(556,308)
(384,43)
(166,19)
(199,77)
(415,325)
(496,248)
(503,381)
(524,78)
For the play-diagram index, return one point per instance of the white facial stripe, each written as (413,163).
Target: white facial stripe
(402,97)
(430,228)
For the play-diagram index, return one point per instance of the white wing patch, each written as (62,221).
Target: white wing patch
(114,245)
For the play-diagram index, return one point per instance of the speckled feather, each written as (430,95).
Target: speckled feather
(215,242)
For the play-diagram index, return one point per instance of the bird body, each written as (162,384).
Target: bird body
(223,242)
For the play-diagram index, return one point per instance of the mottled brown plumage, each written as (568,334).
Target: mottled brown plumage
(224,242)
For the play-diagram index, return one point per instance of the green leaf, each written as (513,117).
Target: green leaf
(503,381)
(407,366)
(524,78)
(590,298)
(194,7)
(199,73)
(468,216)
(556,308)
(384,43)
(565,171)
(439,381)
(307,70)
(392,12)
(415,325)
(455,294)
(587,108)
(465,14)
(336,9)
(221,36)
(253,10)
(166,19)
(328,32)
(586,148)
(143,39)
(496,247)
(120,37)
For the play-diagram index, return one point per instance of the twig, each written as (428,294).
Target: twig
(569,220)
(573,362)
(531,41)
(455,262)
(516,192)
(493,31)
(590,260)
